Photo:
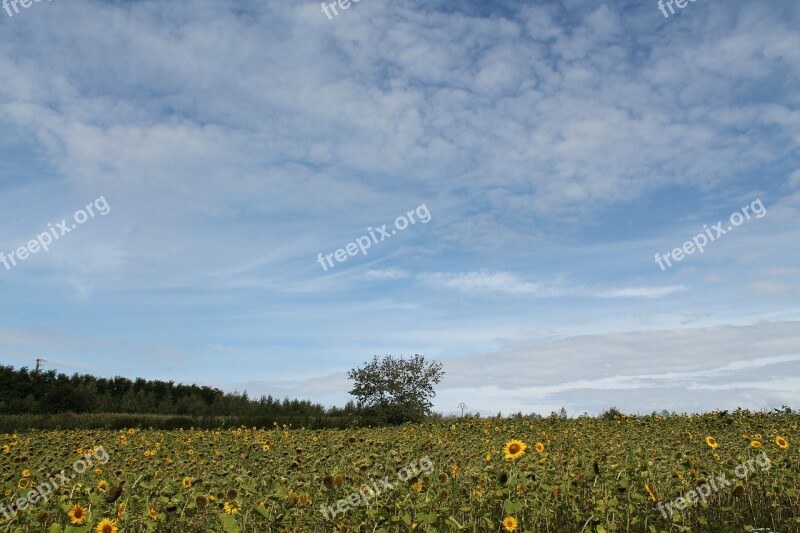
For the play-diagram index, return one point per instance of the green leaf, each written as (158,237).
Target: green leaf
(229,523)
(451,521)
(430,518)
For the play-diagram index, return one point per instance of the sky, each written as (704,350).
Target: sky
(547,152)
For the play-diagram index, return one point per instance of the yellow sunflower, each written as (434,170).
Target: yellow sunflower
(781,442)
(232,507)
(102,485)
(152,513)
(77,514)
(510,523)
(539,447)
(514,449)
(187,482)
(755,444)
(26,473)
(106,526)
(712,442)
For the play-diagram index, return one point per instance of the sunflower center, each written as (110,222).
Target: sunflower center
(514,448)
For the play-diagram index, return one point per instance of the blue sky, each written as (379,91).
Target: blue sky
(558,146)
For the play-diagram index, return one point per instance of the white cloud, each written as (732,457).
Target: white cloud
(387,274)
(483,283)
(642,292)
(489,283)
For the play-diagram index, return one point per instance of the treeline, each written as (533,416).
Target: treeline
(48,393)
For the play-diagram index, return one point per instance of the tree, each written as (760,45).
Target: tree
(396,389)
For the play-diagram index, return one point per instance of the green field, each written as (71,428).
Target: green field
(576,475)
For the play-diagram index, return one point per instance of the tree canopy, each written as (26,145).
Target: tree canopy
(396,389)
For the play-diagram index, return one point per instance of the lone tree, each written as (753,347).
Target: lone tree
(396,390)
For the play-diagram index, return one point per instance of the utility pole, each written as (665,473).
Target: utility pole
(463,406)
(38,364)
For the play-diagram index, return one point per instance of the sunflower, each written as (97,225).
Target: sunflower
(120,510)
(539,447)
(186,482)
(755,444)
(510,523)
(106,526)
(712,442)
(77,515)
(781,442)
(26,473)
(265,448)
(650,492)
(231,507)
(102,485)
(417,486)
(152,513)
(514,449)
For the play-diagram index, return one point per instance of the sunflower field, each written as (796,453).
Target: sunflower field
(631,474)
